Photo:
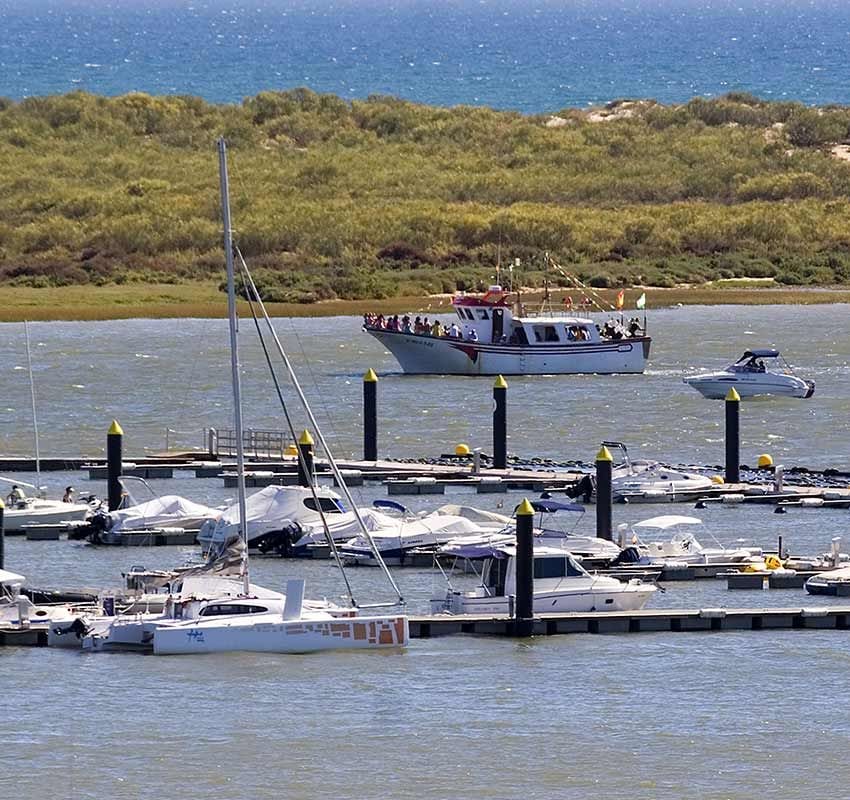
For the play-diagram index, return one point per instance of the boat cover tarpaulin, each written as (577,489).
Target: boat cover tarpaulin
(162,512)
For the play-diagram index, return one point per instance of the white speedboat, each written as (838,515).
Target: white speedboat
(682,546)
(18,612)
(37,511)
(647,481)
(561,584)
(495,337)
(750,377)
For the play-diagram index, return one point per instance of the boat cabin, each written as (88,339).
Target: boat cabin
(493,320)
(752,361)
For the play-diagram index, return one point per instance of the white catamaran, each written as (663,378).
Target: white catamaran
(243,625)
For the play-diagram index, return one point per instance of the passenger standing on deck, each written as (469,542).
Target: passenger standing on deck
(68,497)
(15,496)
(436,329)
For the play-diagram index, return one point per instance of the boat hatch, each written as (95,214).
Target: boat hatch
(222,609)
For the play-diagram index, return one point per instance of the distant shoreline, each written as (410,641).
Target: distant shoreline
(204,300)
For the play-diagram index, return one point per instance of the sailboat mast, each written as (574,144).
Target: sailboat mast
(234,356)
(34,415)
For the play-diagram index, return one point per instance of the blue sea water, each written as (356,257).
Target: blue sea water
(529,55)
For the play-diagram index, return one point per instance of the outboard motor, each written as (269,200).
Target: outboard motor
(282,542)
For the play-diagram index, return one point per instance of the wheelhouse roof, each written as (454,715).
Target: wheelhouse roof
(666,521)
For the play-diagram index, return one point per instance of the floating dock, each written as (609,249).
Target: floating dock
(646,621)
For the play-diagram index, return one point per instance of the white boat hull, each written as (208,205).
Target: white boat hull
(630,597)
(429,355)
(280,636)
(16,519)
(716,387)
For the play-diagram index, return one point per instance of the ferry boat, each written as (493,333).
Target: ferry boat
(492,336)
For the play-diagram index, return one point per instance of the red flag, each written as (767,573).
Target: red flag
(621,298)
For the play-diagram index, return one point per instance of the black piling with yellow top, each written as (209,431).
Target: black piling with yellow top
(2,536)
(733,436)
(305,459)
(114,457)
(604,494)
(524,605)
(370,416)
(500,423)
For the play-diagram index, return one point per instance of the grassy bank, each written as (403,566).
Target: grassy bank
(204,300)
(384,198)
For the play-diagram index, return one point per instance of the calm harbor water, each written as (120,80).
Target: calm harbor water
(729,715)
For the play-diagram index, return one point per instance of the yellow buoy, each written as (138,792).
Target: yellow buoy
(291,450)
(462,450)
(370,376)
(500,383)
(306,438)
(732,396)
(115,429)
(717,479)
(765,461)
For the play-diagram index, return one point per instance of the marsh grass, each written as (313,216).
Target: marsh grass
(383,198)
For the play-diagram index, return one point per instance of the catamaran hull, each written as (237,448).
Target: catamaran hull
(283,636)
(429,355)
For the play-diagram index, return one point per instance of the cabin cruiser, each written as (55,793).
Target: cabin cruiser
(561,584)
(493,336)
(749,377)
(682,547)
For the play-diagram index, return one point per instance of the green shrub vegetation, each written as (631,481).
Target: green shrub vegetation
(382,198)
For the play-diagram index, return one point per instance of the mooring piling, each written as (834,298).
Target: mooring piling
(733,436)
(305,459)
(524,605)
(370,416)
(500,423)
(114,456)
(604,494)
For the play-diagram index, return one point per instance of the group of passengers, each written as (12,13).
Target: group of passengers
(615,329)
(420,326)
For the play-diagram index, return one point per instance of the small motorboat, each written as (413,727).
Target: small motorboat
(561,584)
(647,481)
(749,377)
(682,546)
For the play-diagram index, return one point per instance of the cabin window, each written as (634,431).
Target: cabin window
(518,336)
(538,335)
(555,567)
(482,314)
(460,313)
(550,334)
(469,314)
(329,505)
(221,609)
(495,578)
